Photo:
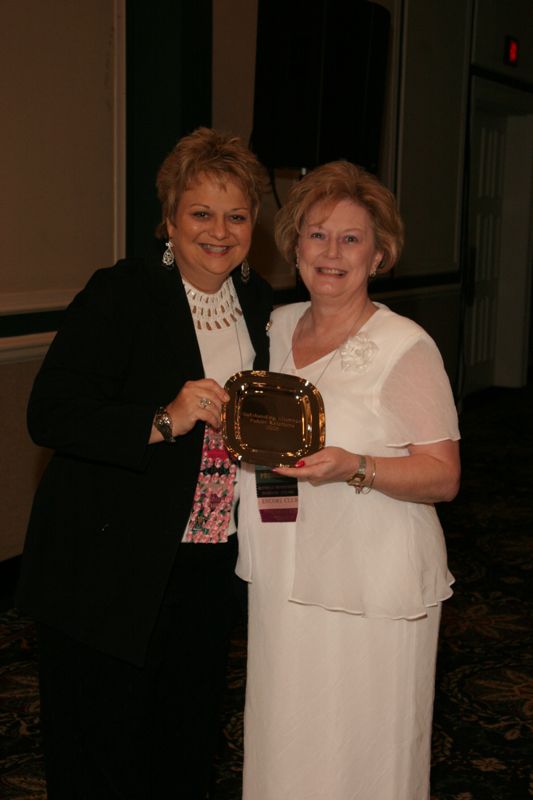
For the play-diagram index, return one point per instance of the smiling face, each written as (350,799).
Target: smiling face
(337,250)
(211,232)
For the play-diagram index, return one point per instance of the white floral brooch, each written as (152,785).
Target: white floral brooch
(357,353)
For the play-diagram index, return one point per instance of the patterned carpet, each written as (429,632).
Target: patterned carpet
(484,702)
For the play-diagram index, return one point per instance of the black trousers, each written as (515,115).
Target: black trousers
(112,730)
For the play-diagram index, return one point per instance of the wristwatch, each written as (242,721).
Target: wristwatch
(163,423)
(359,476)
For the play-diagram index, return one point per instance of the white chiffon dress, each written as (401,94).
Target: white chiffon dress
(344,604)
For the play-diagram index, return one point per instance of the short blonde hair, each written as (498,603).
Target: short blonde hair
(330,183)
(208,152)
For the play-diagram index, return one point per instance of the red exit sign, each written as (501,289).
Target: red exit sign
(510,56)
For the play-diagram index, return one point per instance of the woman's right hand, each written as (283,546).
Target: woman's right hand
(196,401)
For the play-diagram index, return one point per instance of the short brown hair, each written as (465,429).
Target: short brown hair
(207,151)
(330,183)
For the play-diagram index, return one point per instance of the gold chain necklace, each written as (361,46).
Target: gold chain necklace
(351,333)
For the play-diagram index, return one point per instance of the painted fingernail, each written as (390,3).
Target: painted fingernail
(300,463)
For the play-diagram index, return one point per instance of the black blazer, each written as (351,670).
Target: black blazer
(110,511)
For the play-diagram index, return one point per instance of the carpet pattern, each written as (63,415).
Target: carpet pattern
(482,743)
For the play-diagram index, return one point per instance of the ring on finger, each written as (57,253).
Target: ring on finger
(204,402)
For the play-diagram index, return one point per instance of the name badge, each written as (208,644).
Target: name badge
(277,496)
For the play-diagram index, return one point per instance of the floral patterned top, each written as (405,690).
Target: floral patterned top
(213,499)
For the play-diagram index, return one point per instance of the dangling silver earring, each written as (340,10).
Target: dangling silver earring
(245,271)
(168,256)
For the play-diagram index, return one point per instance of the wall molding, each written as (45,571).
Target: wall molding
(36,301)
(452,289)
(15,349)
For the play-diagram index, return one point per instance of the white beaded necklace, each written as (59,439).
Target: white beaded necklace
(213,311)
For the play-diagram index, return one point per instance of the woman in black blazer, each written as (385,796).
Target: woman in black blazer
(129,558)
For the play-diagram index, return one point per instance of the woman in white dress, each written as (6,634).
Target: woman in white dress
(345,601)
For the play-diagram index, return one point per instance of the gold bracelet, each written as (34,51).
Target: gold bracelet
(359,476)
(367,489)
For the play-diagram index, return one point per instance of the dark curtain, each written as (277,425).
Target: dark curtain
(168,78)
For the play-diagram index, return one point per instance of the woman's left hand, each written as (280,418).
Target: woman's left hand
(328,465)
(428,474)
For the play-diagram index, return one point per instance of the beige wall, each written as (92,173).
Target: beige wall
(58,140)
(61,173)
(432,133)
(234,32)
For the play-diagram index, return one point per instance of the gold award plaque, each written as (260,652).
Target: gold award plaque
(272,418)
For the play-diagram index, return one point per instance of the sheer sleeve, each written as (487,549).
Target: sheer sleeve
(417,400)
